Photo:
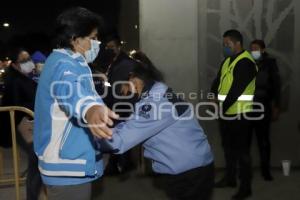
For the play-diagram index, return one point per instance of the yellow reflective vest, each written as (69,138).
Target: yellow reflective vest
(245,101)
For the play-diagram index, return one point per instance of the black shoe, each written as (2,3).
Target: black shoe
(225,183)
(242,194)
(267,176)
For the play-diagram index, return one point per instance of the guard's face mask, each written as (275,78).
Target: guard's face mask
(228,47)
(256,55)
(227,51)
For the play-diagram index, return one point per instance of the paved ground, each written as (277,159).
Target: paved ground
(141,188)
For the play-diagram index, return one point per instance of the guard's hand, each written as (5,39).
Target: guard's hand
(99,117)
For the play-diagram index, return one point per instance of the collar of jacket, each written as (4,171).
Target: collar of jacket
(232,58)
(263,59)
(76,56)
(155,89)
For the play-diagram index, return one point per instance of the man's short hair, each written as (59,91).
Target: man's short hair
(234,35)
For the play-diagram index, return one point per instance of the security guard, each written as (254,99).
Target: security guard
(235,86)
(172,138)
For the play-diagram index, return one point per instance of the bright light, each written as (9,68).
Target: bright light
(131,53)
(136,26)
(6,25)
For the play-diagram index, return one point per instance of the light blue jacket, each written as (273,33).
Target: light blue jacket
(171,136)
(64,145)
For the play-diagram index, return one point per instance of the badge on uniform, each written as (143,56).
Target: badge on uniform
(144,111)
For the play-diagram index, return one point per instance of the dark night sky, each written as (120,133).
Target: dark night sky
(31,22)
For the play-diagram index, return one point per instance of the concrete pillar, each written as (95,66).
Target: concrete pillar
(169,35)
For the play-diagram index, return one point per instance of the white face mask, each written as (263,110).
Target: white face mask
(91,55)
(256,55)
(27,67)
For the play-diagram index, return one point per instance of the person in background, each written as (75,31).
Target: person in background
(268,88)
(234,87)
(69,114)
(173,140)
(38,59)
(20,90)
(99,67)
(118,70)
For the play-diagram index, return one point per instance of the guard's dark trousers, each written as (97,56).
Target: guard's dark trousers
(236,140)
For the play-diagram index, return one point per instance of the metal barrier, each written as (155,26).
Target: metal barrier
(16,179)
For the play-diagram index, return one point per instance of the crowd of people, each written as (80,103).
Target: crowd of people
(91,97)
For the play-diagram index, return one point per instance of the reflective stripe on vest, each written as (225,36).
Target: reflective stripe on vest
(241,98)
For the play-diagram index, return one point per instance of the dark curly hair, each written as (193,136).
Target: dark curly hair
(73,23)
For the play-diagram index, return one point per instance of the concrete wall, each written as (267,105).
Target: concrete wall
(184,39)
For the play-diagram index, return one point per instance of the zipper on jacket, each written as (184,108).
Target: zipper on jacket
(65,134)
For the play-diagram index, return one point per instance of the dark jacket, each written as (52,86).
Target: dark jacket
(19,91)
(119,71)
(268,84)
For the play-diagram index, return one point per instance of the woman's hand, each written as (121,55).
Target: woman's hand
(99,117)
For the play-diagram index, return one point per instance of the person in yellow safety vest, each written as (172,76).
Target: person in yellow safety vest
(245,100)
(235,87)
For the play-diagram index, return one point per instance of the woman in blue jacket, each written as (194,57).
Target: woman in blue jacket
(171,136)
(69,113)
